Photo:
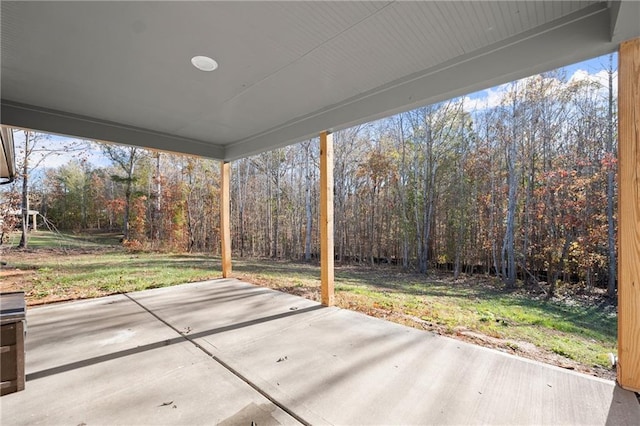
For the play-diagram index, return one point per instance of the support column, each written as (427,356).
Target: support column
(326,219)
(629,215)
(225,208)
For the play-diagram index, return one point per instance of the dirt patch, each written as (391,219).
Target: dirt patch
(13,279)
(531,351)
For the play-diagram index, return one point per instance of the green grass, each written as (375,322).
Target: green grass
(63,266)
(579,332)
(66,240)
(88,275)
(585,334)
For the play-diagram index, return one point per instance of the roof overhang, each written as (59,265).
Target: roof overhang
(120,71)
(7,156)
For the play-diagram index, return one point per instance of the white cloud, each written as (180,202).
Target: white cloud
(601,77)
(491,98)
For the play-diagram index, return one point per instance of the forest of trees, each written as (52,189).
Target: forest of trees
(523,188)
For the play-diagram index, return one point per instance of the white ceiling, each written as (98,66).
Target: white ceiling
(121,71)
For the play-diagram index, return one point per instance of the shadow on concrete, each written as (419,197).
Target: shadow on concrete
(155,345)
(118,319)
(617,414)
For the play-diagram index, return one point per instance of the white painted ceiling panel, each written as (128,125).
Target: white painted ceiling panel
(120,71)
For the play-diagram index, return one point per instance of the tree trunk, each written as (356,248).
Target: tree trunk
(155,233)
(127,209)
(307,204)
(24,239)
(403,199)
(429,191)
(276,219)
(611,231)
(509,263)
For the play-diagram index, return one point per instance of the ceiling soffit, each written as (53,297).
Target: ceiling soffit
(120,71)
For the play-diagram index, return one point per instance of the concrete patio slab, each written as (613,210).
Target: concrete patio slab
(229,352)
(109,361)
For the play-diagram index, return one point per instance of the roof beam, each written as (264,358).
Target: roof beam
(625,20)
(62,123)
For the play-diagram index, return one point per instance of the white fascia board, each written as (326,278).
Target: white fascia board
(56,122)
(625,20)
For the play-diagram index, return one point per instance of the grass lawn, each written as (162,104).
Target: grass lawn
(477,309)
(60,267)
(573,334)
(52,240)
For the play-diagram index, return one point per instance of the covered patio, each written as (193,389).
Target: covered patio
(228,352)
(287,71)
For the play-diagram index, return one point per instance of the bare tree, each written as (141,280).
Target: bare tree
(611,227)
(125,159)
(307,201)
(34,154)
(508,244)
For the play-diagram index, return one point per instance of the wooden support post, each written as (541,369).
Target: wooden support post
(629,215)
(225,207)
(326,219)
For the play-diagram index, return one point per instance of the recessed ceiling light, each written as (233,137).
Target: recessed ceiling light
(204,63)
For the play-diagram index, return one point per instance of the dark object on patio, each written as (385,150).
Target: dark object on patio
(12,323)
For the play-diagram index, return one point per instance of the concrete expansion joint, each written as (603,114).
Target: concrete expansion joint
(226,366)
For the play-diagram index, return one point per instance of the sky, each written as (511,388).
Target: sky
(57,142)
(593,69)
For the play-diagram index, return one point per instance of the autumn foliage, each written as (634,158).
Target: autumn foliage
(518,188)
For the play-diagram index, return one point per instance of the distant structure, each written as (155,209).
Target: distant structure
(31,214)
